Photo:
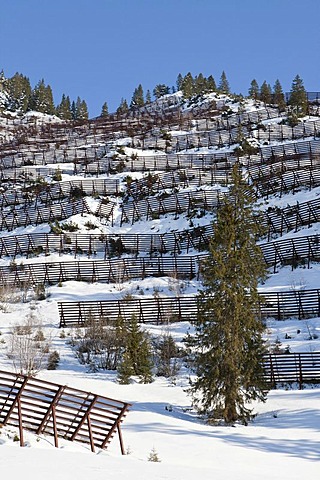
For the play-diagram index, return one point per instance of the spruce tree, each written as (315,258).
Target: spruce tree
(265,93)
(137,97)
(136,359)
(187,86)
(148,97)
(19,90)
(123,107)
(179,81)
(254,90)
(227,347)
(160,90)
(64,108)
(278,96)
(104,110)
(42,99)
(211,84)
(298,97)
(224,84)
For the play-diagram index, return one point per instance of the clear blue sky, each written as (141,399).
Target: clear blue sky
(102,49)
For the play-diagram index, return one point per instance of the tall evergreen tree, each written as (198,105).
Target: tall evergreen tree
(265,93)
(179,81)
(254,90)
(160,90)
(148,97)
(278,96)
(298,97)
(123,107)
(224,84)
(64,108)
(136,356)
(19,90)
(137,97)
(211,84)
(228,346)
(200,84)
(81,110)
(104,110)
(42,98)
(187,85)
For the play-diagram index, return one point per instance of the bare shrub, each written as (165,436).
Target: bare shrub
(27,346)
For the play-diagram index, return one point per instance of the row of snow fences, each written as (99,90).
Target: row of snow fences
(106,245)
(267,154)
(12,219)
(151,206)
(44,195)
(293,252)
(291,368)
(282,305)
(109,271)
(60,411)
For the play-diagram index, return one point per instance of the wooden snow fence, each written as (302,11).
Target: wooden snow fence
(284,368)
(61,411)
(299,304)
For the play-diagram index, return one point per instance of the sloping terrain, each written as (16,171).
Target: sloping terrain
(113,217)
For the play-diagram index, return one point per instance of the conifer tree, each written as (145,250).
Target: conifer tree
(278,96)
(104,110)
(227,346)
(137,97)
(123,107)
(211,84)
(19,90)
(254,89)
(42,99)
(81,110)
(199,84)
(136,358)
(187,85)
(73,110)
(224,84)
(265,93)
(160,90)
(64,108)
(298,97)
(148,97)
(179,81)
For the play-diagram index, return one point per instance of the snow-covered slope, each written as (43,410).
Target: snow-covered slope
(281,442)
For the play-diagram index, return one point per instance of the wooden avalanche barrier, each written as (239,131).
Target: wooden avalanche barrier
(61,411)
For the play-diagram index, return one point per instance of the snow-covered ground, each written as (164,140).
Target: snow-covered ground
(281,443)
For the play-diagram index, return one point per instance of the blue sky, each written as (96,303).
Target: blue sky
(102,49)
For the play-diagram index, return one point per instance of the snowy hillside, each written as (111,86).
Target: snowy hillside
(120,209)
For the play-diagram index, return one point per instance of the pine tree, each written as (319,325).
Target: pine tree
(19,90)
(265,93)
(136,358)
(227,346)
(104,110)
(224,84)
(81,110)
(211,84)
(42,99)
(254,90)
(187,86)
(148,97)
(298,97)
(179,81)
(278,96)
(64,108)
(160,90)
(137,97)
(123,107)
(199,84)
